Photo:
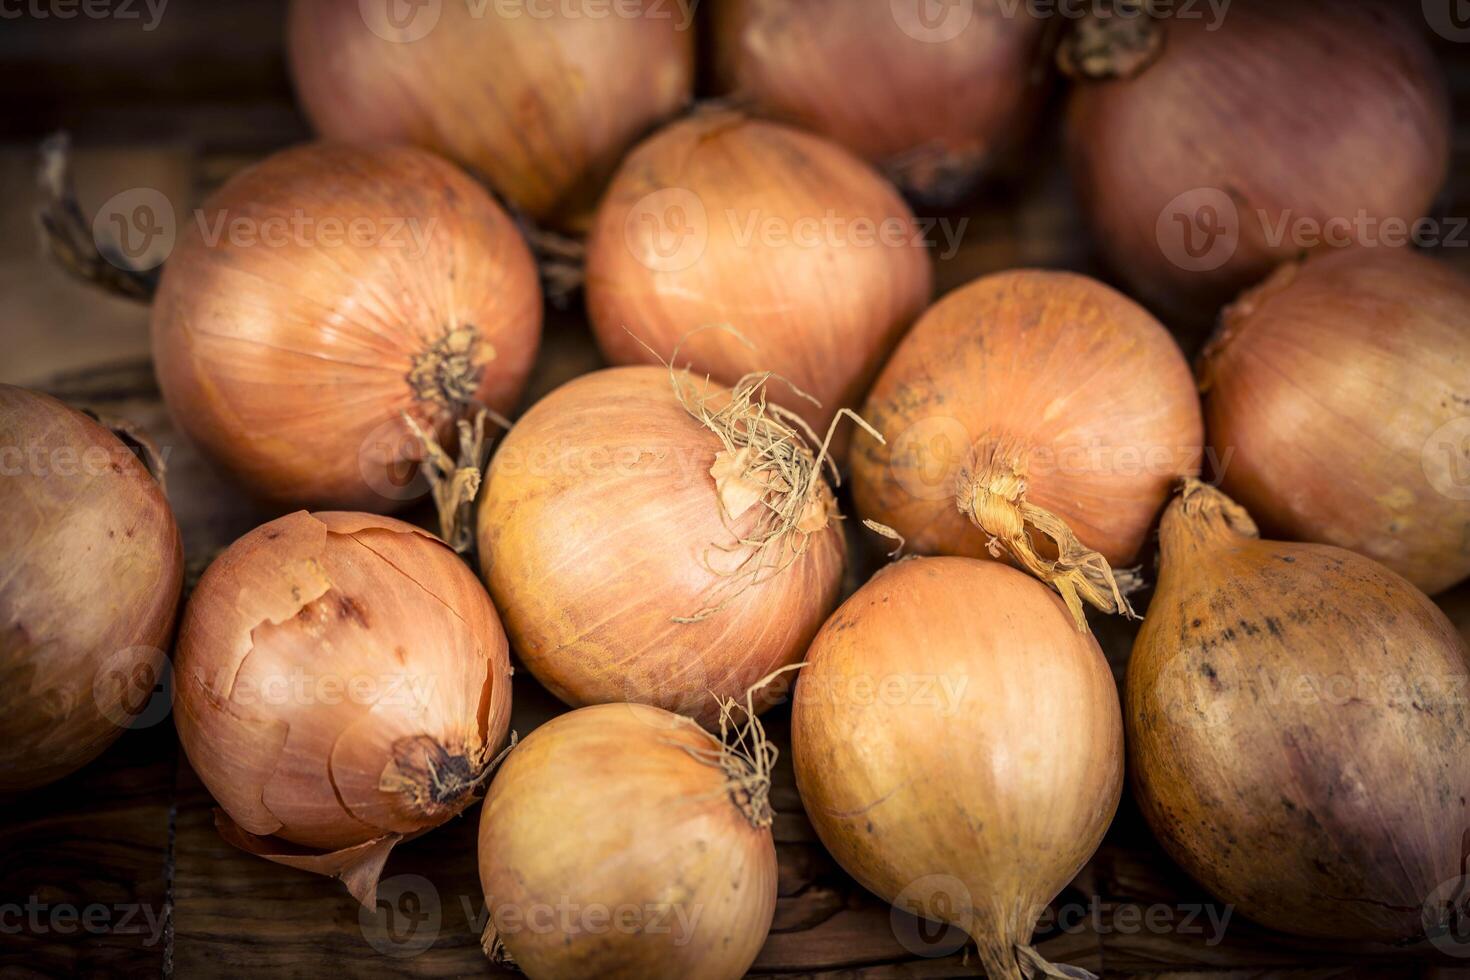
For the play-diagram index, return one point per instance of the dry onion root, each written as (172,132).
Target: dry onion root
(1296,729)
(93,568)
(978,86)
(959,749)
(657,538)
(342,684)
(1039,416)
(720,218)
(1193,199)
(352,293)
(624,841)
(1340,388)
(542,100)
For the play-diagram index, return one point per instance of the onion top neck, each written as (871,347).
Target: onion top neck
(1120,41)
(446,374)
(1202,518)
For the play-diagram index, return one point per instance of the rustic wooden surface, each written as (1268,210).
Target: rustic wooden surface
(130,837)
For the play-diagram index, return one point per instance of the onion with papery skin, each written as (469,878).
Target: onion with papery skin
(93,569)
(1297,730)
(933,103)
(958,747)
(541,102)
(328,300)
(342,683)
(1031,405)
(623,841)
(810,255)
(652,539)
(1241,140)
(1338,405)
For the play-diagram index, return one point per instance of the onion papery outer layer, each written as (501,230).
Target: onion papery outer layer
(1297,730)
(323,294)
(603,532)
(343,683)
(958,746)
(1338,404)
(1220,156)
(543,104)
(933,105)
(799,246)
(619,816)
(93,567)
(1031,404)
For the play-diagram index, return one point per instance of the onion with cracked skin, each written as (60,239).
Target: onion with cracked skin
(342,683)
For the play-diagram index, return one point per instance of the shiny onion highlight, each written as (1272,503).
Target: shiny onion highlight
(1336,402)
(93,569)
(1205,151)
(658,539)
(651,836)
(930,106)
(959,749)
(1296,731)
(719,219)
(1031,405)
(321,296)
(342,684)
(541,102)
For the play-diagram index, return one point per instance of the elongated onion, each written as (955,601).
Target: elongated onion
(808,253)
(342,684)
(323,295)
(1207,149)
(540,98)
(655,539)
(1031,404)
(974,70)
(93,569)
(958,747)
(1296,729)
(1340,389)
(623,841)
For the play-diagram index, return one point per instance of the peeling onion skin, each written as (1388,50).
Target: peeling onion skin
(979,90)
(822,312)
(322,654)
(596,523)
(93,570)
(1255,110)
(1366,341)
(542,106)
(604,808)
(1005,785)
(1276,744)
(289,357)
(1054,365)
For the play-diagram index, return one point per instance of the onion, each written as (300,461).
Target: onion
(973,70)
(1296,729)
(958,747)
(623,841)
(540,98)
(1250,136)
(1340,390)
(328,300)
(342,684)
(808,253)
(658,542)
(1031,405)
(93,569)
